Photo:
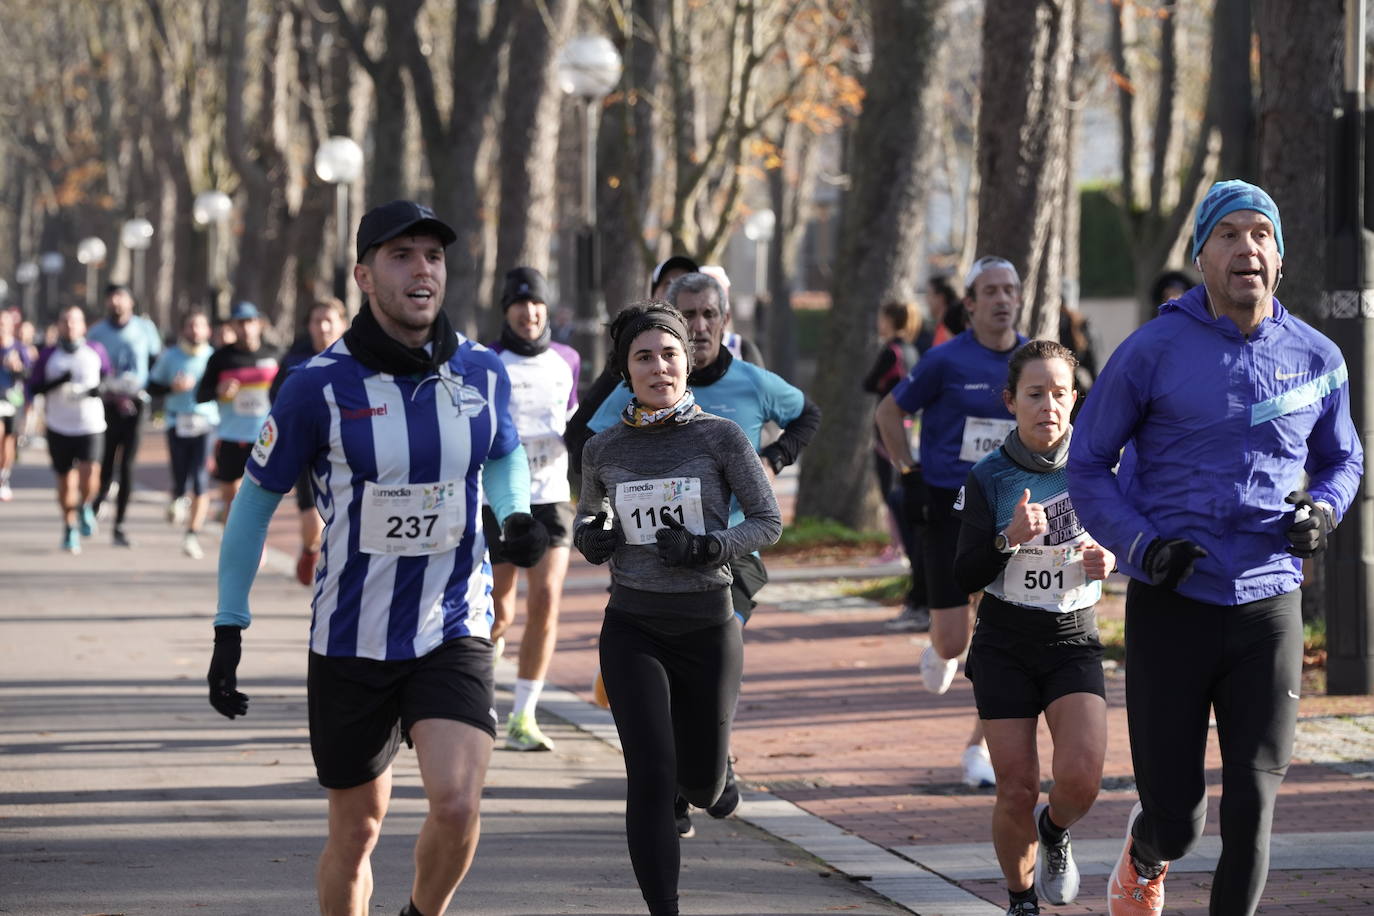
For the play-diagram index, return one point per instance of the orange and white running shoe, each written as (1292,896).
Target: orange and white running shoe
(1128,894)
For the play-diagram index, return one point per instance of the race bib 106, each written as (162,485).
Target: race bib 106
(643,505)
(983,435)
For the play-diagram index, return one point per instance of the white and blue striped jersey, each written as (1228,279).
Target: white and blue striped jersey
(395,465)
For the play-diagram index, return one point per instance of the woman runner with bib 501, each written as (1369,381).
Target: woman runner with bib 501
(671,650)
(1035,644)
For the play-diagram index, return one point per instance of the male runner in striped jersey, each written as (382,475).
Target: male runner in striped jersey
(402,424)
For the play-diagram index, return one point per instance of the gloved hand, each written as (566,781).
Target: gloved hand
(1169,563)
(597,542)
(1307,535)
(524,539)
(679,547)
(223,676)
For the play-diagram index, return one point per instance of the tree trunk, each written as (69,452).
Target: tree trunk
(625,158)
(1301,54)
(529,137)
(880,249)
(1231,95)
(1022,146)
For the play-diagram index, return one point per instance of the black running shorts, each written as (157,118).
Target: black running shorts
(67,452)
(557,519)
(230,459)
(361,709)
(1023,659)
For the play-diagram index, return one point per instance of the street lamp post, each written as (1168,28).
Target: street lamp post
(339,161)
(211,209)
(26,274)
(90,252)
(136,235)
(758,228)
(1349,310)
(50,264)
(588,68)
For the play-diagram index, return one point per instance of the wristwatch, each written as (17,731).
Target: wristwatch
(1003,545)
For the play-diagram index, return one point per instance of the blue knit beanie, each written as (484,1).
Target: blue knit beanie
(1227,197)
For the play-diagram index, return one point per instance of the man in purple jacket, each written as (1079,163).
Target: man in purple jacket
(1242,460)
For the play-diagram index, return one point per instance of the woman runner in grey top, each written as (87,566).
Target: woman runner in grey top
(671,650)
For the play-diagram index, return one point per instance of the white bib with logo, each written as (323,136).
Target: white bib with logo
(252,402)
(1047,577)
(642,506)
(190,425)
(983,435)
(412,519)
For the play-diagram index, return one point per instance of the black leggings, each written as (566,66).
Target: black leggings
(188,455)
(1184,657)
(673,697)
(122,433)
(910,525)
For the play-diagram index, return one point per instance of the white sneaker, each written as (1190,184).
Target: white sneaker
(937,673)
(978,771)
(190,545)
(176,511)
(6,494)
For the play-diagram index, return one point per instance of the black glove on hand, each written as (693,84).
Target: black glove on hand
(524,539)
(679,547)
(597,542)
(223,676)
(1307,536)
(1168,563)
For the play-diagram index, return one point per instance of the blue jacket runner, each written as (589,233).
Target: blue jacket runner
(1222,428)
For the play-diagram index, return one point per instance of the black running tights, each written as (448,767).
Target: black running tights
(122,434)
(673,698)
(1185,658)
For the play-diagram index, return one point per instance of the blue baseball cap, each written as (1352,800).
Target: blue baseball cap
(1227,197)
(244,311)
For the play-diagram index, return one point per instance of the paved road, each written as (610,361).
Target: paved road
(122,792)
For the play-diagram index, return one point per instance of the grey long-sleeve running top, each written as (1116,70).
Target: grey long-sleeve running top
(619,463)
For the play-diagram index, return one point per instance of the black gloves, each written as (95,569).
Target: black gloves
(596,541)
(1170,562)
(1307,535)
(679,547)
(524,539)
(223,676)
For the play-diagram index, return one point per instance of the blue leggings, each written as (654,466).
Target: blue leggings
(188,463)
(1184,659)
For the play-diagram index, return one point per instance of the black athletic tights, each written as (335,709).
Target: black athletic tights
(673,698)
(1184,657)
(122,435)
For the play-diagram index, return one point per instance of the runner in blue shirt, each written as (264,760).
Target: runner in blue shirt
(403,425)
(176,374)
(132,343)
(1243,459)
(957,387)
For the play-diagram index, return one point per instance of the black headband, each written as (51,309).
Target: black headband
(644,321)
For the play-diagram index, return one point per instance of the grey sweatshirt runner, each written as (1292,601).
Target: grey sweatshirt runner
(710,449)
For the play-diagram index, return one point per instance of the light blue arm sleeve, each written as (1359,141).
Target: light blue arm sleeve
(506,482)
(241,549)
(608,414)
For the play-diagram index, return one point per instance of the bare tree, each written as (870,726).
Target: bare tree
(455,134)
(1023,146)
(881,242)
(529,134)
(1301,52)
